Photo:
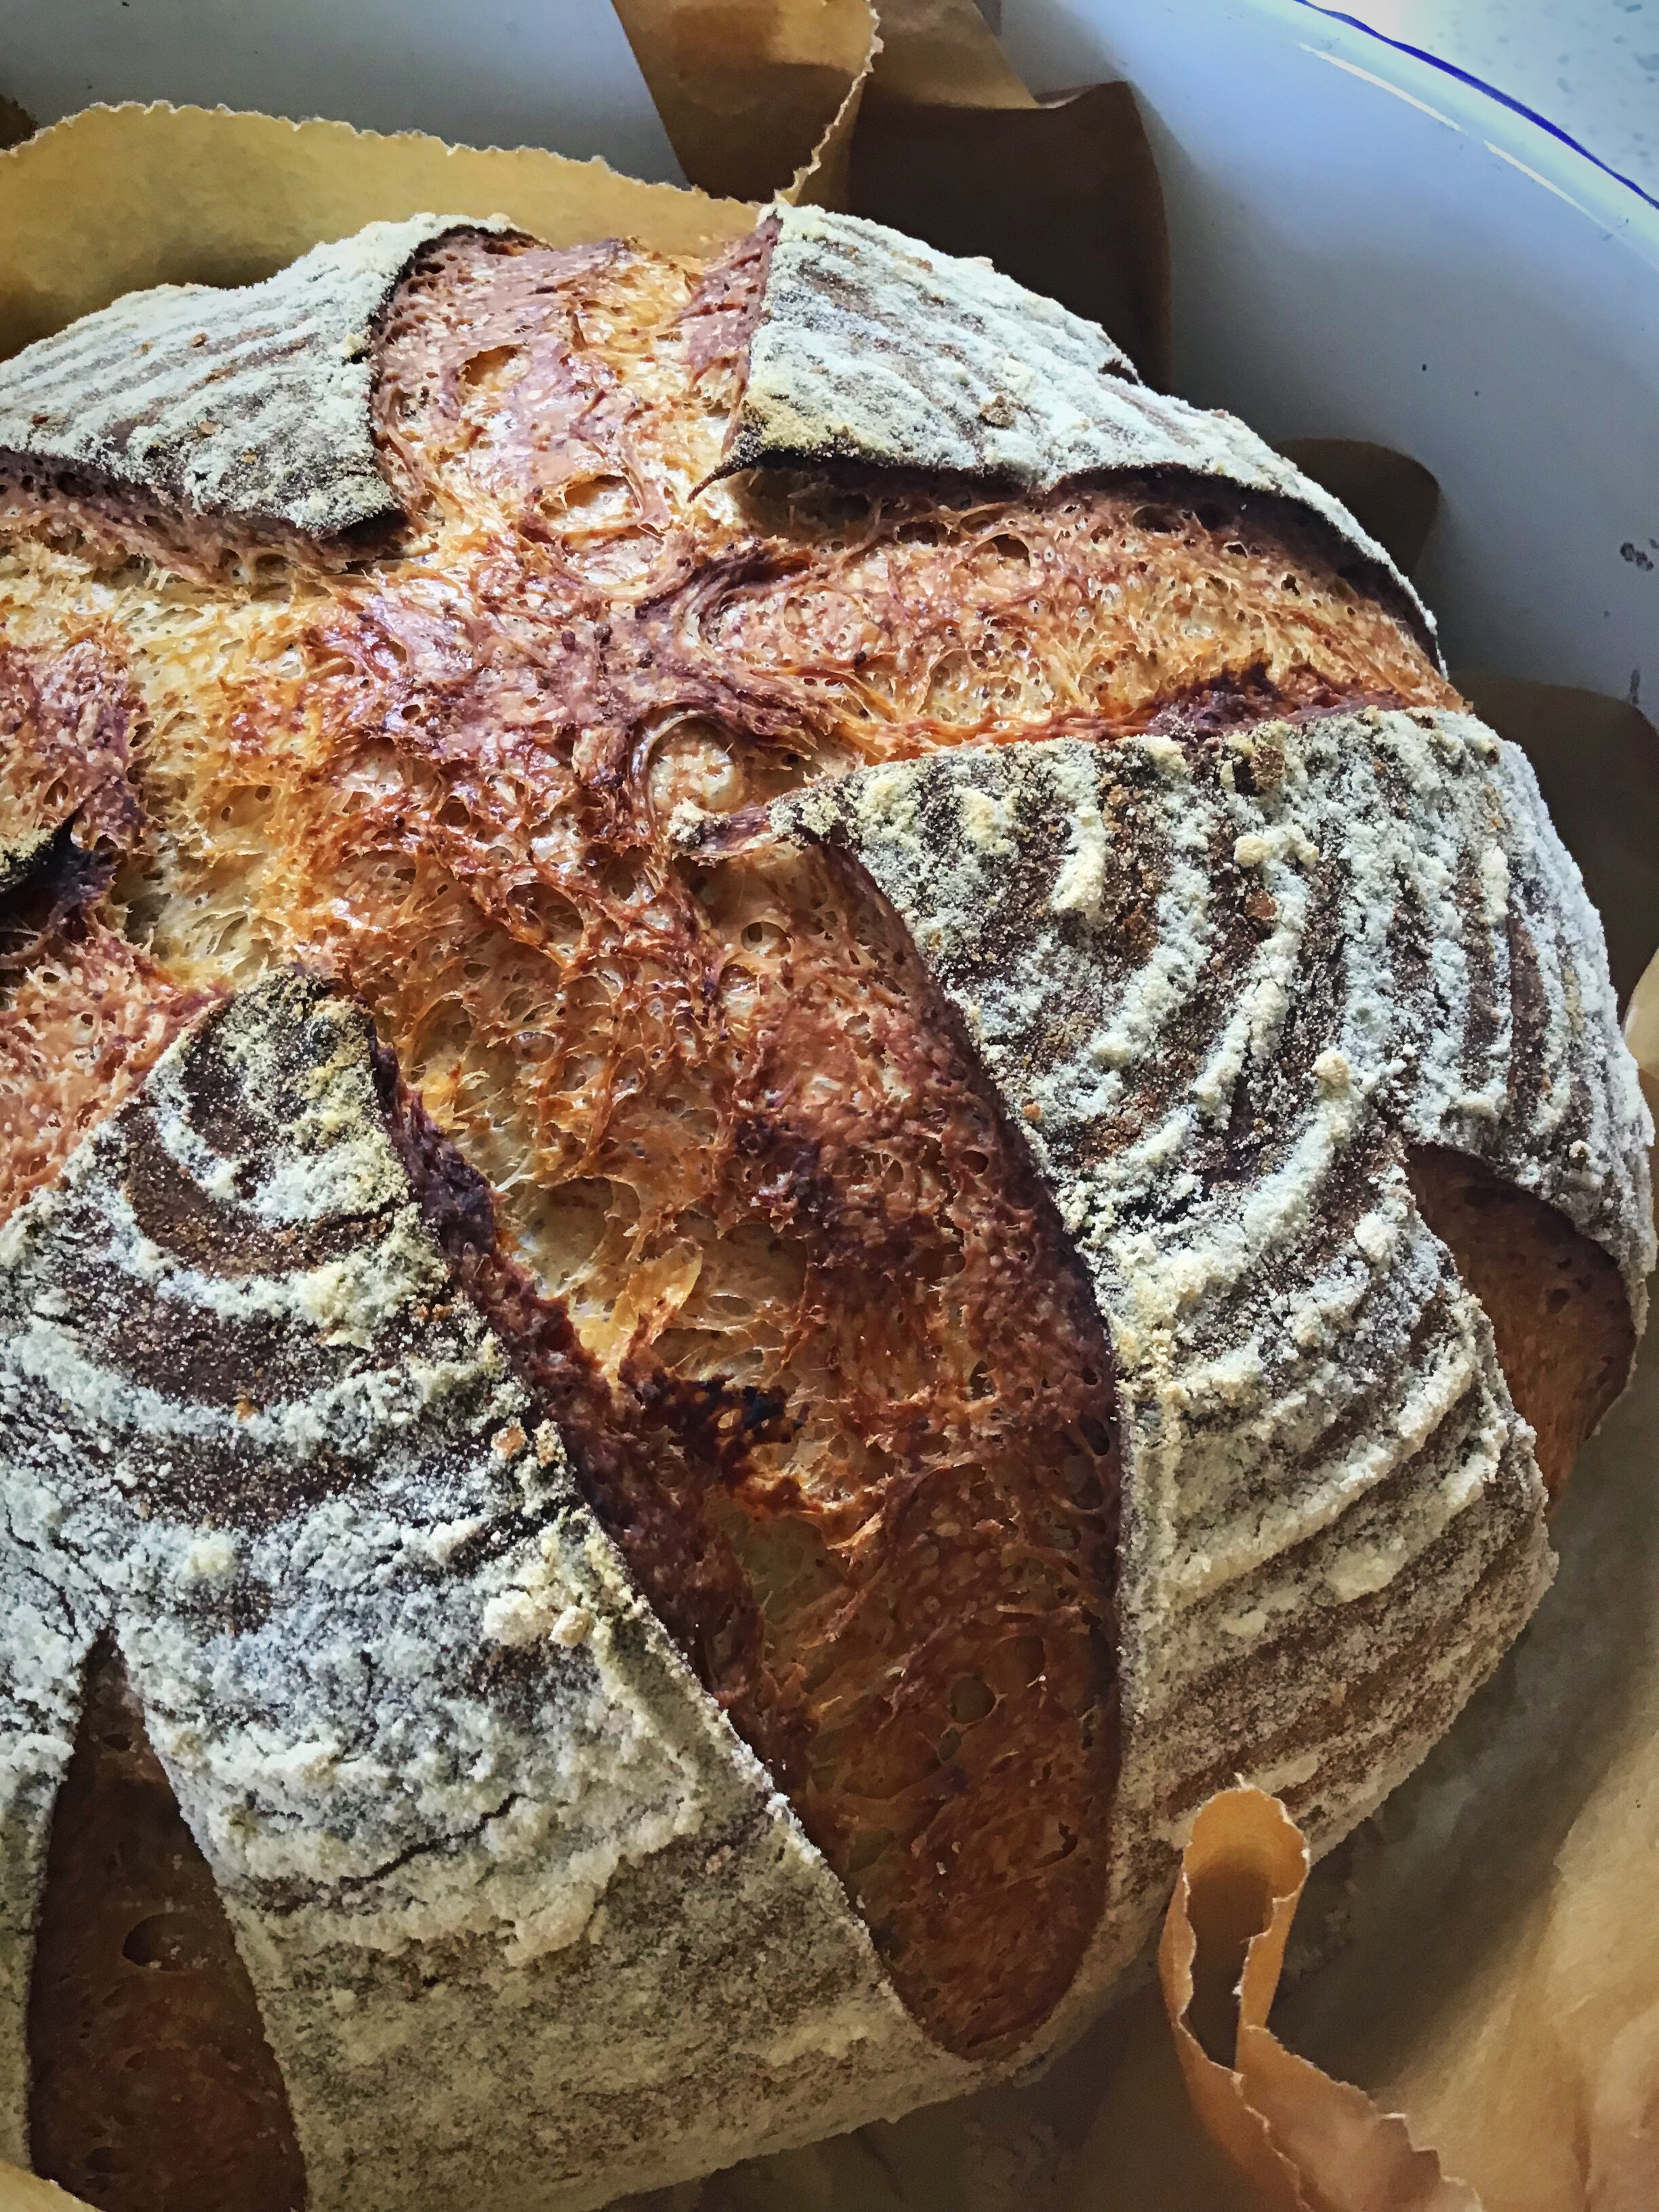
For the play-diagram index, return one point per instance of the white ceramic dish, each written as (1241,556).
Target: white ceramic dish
(1586,69)
(1366,245)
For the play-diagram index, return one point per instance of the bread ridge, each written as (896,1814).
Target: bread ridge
(432,1577)
(250,402)
(1252,1319)
(873,350)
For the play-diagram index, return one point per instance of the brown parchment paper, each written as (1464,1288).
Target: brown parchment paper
(943,53)
(758,97)
(115,198)
(906,121)
(1061,194)
(1299,2140)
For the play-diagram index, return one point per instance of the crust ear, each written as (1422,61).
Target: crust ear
(872,350)
(249,405)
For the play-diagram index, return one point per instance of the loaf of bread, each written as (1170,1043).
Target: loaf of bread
(789,1121)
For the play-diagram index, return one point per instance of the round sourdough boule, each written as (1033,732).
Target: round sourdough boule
(788,1120)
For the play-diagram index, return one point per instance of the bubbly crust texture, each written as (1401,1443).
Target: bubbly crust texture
(722,1623)
(83,1013)
(67,810)
(78,1033)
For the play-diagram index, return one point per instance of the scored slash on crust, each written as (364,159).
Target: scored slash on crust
(251,405)
(254,1430)
(1314,1417)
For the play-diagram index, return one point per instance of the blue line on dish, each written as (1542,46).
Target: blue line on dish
(1479,84)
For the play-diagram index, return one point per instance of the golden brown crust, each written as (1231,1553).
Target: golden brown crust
(572,401)
(1559,1309)
(826,1366)
(934,1551)
(84,1025)
(892,1563)
(153,2086)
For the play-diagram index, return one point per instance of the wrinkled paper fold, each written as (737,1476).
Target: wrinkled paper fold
(1302,2142)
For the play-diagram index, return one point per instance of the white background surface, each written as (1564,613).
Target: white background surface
(1591,66)
(1362,247)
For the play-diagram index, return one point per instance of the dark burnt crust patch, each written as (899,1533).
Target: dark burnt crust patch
(55,881)
(68,812)
(178,413)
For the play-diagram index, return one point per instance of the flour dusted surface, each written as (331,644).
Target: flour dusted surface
(250,401)
(873,350)
(493,1861)
(1318,943)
